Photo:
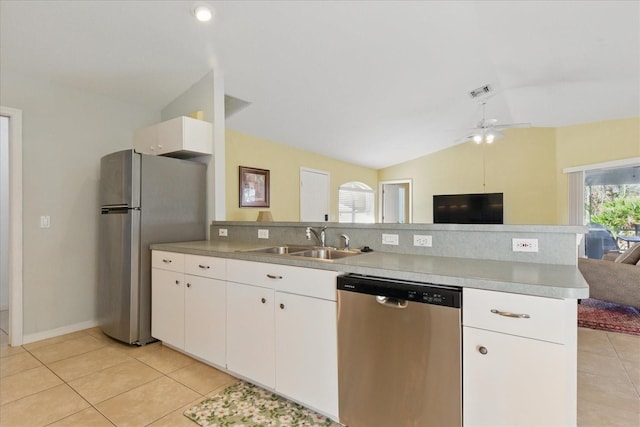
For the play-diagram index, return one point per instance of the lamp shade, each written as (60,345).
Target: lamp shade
(265,216)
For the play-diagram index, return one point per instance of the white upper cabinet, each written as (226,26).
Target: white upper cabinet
(181,137)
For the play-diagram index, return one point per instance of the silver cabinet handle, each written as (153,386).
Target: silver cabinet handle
(273,276)
(166,261)
(263,300)
(507,314)
(483,350)
(203,266)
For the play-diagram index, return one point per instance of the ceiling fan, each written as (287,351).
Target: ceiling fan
(488,130)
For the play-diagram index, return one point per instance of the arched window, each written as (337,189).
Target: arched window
(356,203)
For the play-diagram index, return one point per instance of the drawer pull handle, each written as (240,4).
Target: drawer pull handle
(263,300)
(177,282)
(188,285)
(203,266)
(273,276)
(483,350)
(507,314)
(166,261)
(281,306)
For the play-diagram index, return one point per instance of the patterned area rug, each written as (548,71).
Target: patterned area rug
(247,405)
(607,316)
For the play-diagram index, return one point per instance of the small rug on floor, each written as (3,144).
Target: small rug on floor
(607,316)
(247,405)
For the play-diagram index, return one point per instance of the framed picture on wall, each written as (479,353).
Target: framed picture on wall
(254,187)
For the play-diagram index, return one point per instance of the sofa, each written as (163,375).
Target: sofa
(614,278)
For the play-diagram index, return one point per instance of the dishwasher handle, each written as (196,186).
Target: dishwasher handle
(392,302)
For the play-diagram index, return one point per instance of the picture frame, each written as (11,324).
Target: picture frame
(254,187)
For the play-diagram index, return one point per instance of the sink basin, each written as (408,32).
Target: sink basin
(279,250)
(327,253)
(314,252)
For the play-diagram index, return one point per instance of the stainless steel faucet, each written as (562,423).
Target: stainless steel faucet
(346,241)
(320,236)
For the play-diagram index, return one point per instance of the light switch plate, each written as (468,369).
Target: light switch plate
(45,221)
(263,234)
(390,239)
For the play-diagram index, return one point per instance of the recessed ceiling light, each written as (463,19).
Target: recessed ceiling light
(203,13)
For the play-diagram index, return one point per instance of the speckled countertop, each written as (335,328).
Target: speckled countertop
(557,281)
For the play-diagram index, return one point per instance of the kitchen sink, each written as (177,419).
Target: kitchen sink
(327,253)
(280,250)
(314,252)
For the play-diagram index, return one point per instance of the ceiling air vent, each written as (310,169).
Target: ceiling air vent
(481,91)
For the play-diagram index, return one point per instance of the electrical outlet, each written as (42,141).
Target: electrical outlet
(422,240)
(524,245)
(223,232)
(390,239)
(45,221)
(263,234)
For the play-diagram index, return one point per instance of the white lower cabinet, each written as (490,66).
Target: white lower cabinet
(306,350)
(512,381)
(167,306)
(283,333)
(205,318)
(188,312)
(251,332)
(519,360)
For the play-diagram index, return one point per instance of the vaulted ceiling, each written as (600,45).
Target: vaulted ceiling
(369,82)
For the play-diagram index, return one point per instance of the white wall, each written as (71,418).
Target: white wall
(207,96)
(65,132)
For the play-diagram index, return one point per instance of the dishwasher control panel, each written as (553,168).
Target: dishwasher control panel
(426,293)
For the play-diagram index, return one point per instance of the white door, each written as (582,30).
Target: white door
(395,202)
(205,318)
(314,195)
(167,306)
(496,368)
(251,333)
(391,204)
(306,349)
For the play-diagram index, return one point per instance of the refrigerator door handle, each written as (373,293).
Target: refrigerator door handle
(117,209)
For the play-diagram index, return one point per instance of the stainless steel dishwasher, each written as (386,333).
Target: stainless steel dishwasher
(399,353)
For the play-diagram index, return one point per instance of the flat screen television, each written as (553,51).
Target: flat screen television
(486,208)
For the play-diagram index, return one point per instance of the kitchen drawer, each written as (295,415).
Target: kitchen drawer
(205,266)
(171,261)
(545,321)
(296,280)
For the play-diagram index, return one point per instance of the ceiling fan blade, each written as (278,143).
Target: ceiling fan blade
(512,125)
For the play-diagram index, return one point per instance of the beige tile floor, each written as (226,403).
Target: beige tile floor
(87,379)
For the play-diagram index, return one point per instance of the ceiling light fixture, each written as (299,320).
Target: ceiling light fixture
(203,13)
(486,135)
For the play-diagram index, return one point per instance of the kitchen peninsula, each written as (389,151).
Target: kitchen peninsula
(290,304)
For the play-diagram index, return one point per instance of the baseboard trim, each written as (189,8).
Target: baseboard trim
(39,336)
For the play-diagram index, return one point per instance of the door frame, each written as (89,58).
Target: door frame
(381,185)
(15,224)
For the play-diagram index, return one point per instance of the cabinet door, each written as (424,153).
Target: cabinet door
(250,332)
(516,382)
(205,319)
(306,351)
(167,306)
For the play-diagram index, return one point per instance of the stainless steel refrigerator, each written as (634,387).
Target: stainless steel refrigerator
(144,199)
